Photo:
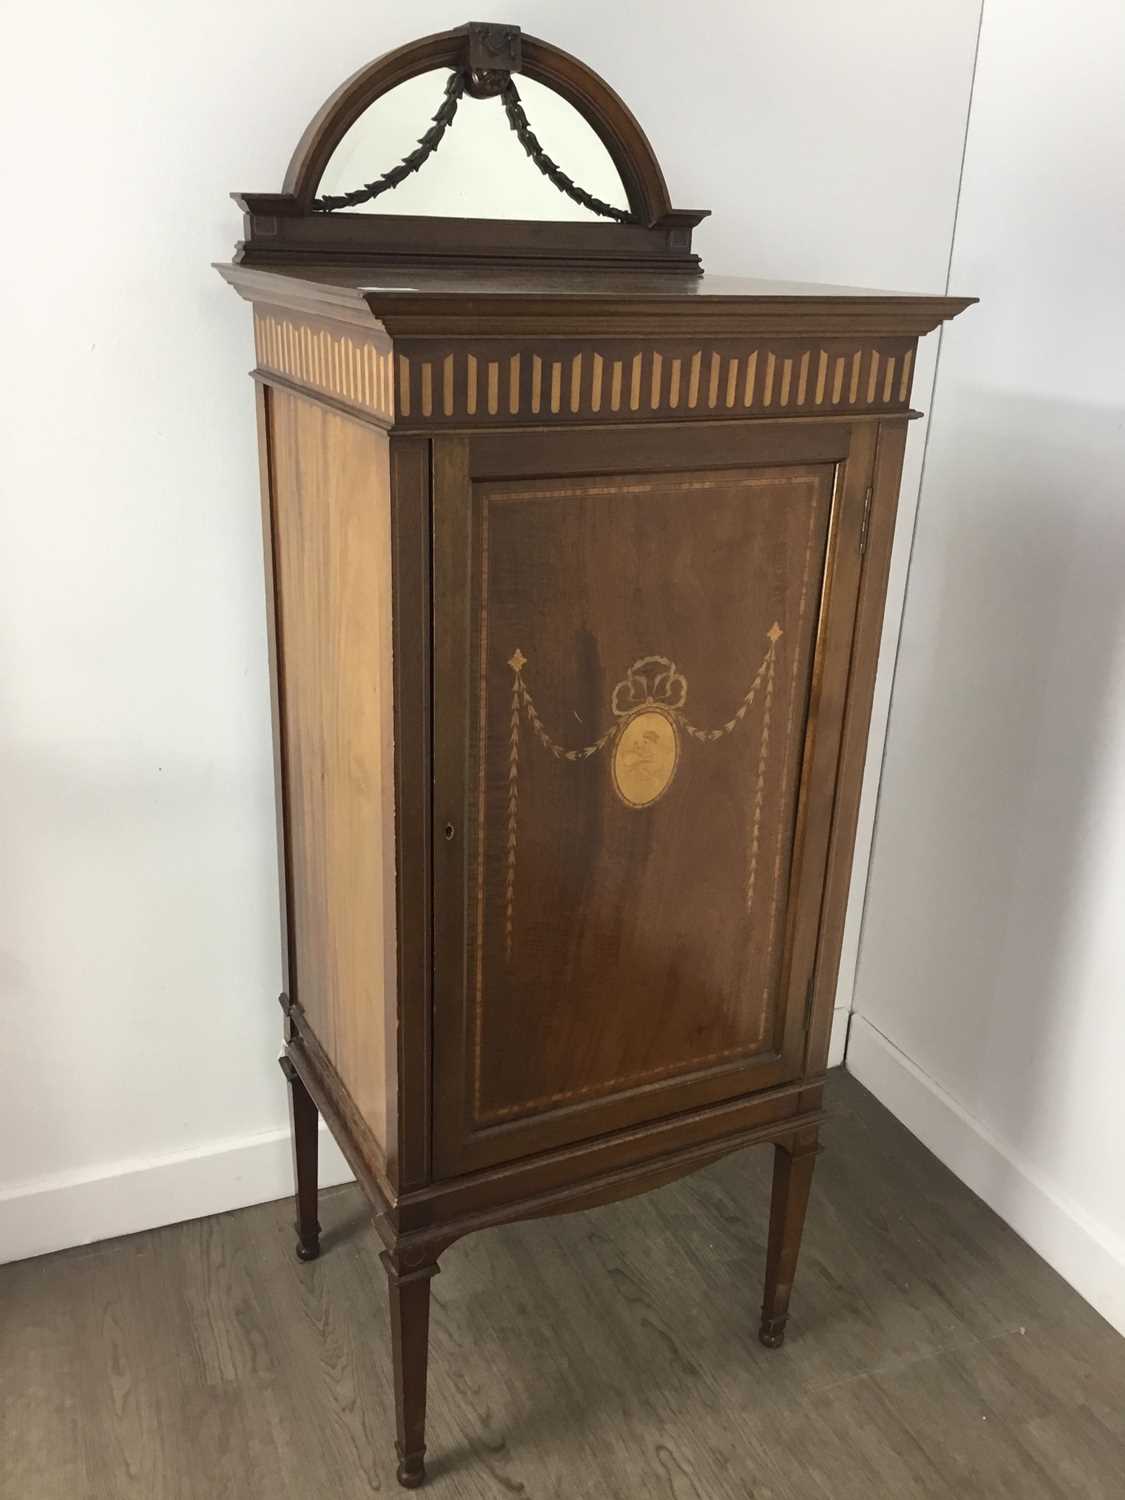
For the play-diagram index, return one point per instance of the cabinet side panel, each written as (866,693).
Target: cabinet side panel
(331,524)
(885,461)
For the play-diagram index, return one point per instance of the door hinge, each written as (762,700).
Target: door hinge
(865,522)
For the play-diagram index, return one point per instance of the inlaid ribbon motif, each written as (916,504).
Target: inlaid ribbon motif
(644,741)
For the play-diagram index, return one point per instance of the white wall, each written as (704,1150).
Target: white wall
(991,992)
(138,935)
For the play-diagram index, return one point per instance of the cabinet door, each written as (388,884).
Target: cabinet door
(641,652)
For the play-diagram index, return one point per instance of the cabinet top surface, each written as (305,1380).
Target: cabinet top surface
(404,296)
(387,285)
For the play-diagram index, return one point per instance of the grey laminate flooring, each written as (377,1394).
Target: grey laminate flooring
(607,1354)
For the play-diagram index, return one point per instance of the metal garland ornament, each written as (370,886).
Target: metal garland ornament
(554,174)
(427,145)
(480,85)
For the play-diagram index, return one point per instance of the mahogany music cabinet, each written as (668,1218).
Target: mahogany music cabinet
(576,565)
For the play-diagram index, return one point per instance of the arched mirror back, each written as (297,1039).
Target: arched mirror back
(431,147)
(577,186)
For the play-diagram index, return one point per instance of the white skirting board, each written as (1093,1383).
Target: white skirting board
(55,1213)
(76,1209)
(838,1041)
(1084,1253)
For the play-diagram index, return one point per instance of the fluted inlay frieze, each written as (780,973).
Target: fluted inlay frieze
(499,382)
(614,382)
(347,367)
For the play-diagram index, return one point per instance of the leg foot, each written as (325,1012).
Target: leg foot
(304,1120)
(792,1179)
(411,1473)
(772,1332)
(409,1295)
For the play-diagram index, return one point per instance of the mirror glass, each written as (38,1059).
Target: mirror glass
(480,170)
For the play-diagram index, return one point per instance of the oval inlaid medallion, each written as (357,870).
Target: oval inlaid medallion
(645,757)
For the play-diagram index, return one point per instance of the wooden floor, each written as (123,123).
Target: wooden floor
(608,1354)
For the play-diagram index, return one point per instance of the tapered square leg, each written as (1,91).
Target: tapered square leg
(409,1295)
(304,1119)
(792,1179)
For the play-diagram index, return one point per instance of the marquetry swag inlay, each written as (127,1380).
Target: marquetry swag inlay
(521,380)
(648,706)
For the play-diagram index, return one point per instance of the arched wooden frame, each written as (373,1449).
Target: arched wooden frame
(287,227)
(579,85)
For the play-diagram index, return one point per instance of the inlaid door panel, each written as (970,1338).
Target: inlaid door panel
(625,669)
